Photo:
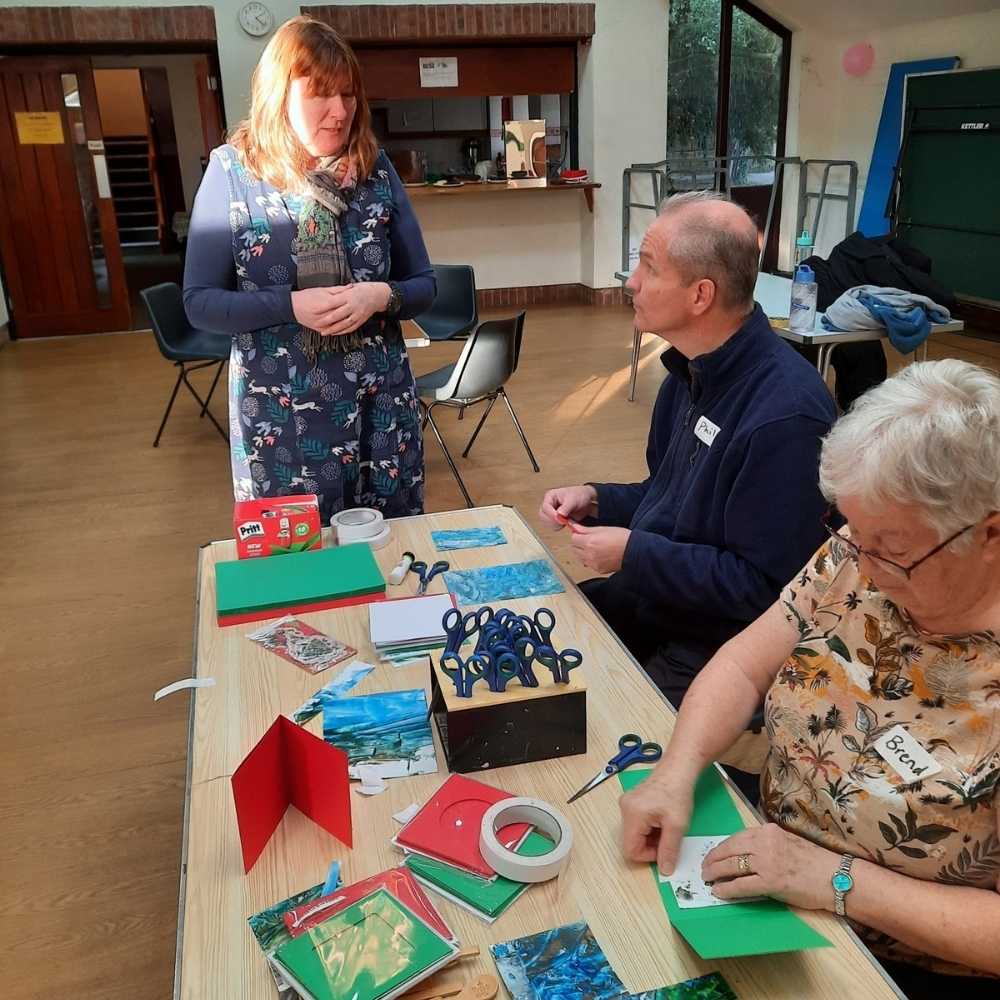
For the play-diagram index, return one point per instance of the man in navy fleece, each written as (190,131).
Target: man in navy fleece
(731,508)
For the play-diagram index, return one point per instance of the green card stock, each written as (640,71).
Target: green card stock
(759,928)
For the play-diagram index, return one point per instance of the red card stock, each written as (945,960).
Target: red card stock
(447,826)
(290,766)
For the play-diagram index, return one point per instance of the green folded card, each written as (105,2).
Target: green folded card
(762,927)
(364,952)
(274,582)
(487,899)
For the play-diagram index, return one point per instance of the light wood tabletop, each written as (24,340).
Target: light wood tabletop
(217,955)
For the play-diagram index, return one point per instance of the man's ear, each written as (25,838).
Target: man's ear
(703,297)
(991,550)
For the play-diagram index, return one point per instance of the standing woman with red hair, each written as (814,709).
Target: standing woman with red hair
(304,246)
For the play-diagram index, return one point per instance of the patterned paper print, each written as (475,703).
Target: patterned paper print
(468,538)
(557,965)
(503,583)
(301,644)
(350,676)
(386,734)
(269,928)
(710,987)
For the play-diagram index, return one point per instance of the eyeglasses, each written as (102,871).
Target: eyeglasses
(856,551)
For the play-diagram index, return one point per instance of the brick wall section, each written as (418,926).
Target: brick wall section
(458,22)
(62,25)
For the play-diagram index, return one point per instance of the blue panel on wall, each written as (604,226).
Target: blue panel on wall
(873,220)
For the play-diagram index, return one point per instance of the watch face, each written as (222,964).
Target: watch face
(843,882)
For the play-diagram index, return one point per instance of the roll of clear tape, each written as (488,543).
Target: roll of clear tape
(545,819)
(358,524)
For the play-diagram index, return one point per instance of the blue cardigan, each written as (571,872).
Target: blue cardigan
(718,529)
(211,299)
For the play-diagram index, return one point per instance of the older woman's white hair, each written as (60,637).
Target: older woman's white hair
(929,437)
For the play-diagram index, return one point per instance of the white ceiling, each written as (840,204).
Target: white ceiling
(852,18)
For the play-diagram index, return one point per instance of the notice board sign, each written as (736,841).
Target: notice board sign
(439,71)
(39,128)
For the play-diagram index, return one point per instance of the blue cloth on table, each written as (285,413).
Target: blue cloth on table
(503,583)
(906,316)
(468,538)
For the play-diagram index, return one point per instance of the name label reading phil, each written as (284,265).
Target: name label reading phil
(906,756)
(705,431)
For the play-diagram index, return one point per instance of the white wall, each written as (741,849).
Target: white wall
(183,102)
(524,239)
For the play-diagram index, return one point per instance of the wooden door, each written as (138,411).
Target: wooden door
(59,246)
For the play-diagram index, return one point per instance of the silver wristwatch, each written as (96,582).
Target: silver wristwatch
(842,884)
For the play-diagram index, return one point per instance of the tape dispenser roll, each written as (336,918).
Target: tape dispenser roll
(360,524)
(545,819)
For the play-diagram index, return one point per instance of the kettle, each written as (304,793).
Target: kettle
(470,154)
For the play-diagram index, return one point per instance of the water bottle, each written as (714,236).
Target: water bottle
(803,248)
(802,315)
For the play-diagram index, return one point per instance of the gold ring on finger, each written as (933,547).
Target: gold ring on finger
(743,864)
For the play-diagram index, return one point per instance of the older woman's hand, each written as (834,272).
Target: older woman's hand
(655,815)
(783,865)
(353,305)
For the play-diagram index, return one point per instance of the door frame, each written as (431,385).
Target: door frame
(117,314)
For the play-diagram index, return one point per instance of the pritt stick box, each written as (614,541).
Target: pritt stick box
(276,526)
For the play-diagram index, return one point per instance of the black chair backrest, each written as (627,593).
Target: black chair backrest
(165,305)
(454,309)
(490,358)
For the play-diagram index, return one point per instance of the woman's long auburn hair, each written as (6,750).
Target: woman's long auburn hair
(265,141)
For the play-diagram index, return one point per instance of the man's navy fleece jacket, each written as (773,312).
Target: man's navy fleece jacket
(718,529)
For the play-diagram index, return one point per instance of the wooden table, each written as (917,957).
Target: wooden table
(218,957)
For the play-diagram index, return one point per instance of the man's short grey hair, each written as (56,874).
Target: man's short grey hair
(929,437)
(700,248)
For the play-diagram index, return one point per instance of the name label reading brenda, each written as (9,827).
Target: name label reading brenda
(705,431)
(906,756)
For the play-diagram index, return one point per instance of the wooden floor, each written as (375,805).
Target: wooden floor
(101,534)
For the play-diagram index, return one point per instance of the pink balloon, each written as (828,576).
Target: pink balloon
(858,59)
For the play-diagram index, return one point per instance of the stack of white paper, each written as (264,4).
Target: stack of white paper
(409,627)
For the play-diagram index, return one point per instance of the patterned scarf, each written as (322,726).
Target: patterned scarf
(321,260)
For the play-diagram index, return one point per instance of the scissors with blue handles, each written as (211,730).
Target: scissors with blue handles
(426,575)
(631,750)
(559,663)
(541,625)
(463,673)
(459,627)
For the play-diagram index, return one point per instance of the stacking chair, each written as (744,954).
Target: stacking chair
(487,361)
(454,312)
(184,346)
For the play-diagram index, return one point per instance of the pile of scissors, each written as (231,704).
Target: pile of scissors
(507,646)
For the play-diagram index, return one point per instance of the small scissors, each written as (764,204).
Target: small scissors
(496,668)
(541,625)
(559,663)
(463,673)
(426,575)
(460,627)
(631,750)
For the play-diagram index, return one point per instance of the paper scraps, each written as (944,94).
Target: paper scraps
(405,815)
(348,678)
(301,644)
(690,889)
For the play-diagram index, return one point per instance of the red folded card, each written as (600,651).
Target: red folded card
(447,826)
(290,766)
(399,881)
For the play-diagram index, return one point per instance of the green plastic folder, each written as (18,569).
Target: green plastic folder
(759,928)
(247,585)
(490,898)
(363,952)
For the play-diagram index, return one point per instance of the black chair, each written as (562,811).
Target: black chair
(487,361)
(184,346)
(454,313)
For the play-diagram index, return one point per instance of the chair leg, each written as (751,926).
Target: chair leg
(636,350)
(479,427)
(517,424)
(202,403)
(447,455)
(215,382)
(170,405)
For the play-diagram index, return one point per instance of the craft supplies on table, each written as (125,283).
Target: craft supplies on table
(542,817)
(631,750)
(427,573)
(299,643)
(360,524)
(348,678)
(468,538)
(249,590)
(534,578)
(408,627)
(276,526)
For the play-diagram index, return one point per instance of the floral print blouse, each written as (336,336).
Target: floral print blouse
(860,668)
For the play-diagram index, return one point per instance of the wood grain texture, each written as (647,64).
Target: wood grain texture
(71,25)
(619,900)
(100,539)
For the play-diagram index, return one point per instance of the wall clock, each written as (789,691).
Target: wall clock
(256,19)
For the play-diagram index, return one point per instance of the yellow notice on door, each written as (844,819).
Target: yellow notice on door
(39,128)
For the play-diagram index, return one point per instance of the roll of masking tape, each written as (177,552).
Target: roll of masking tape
(360,524)
(545,819)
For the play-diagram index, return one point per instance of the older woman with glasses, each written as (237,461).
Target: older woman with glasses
(879,669)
